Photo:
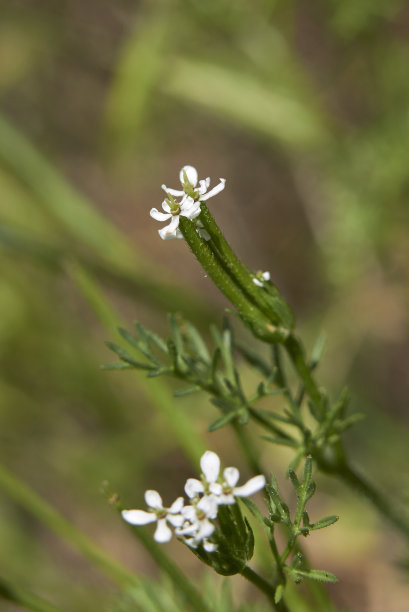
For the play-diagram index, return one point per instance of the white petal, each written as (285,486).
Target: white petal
(138,517)
(189,513)
(176,520)
(214,191)
(177,505)
(205,530)
(216,489)
(191,174)
(195,213)
(193,487)
(169,231)
(165,235)
(210,464)
(251,486)
(174,192)
(209,546)
(187,201)
(153,499)
(189,529)
(159,216)
(257,282)
(231,476)
(166,207)
(203,186)
(266,275)
(162,533)
(208,505)
(226,500)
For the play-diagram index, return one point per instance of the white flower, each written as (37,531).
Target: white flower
(192,193)
(189,179)
(224,489)
(157,513)
(260,278)
(197,525)
(194,524)
(173,211)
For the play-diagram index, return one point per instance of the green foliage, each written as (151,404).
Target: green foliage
(235,543)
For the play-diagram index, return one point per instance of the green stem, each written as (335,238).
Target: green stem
(238,271)
(264,587)
(210,263)
(267,299)
(295,351)
(24,598)
(248,448)
(180,580)
(281,381)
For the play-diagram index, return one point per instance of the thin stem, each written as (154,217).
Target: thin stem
(24,598)
(281,381)
(264,587)
(248,448)
(295,351)
(180,580)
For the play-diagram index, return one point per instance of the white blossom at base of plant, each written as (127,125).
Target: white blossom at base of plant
(193,523)
(157,513)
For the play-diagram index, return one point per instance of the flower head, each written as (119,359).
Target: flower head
(194,523)
(224,488)
(260,278)
(197,525)
(157,512)
(173,211)
(192,193)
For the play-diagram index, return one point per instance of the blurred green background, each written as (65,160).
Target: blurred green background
(304,108)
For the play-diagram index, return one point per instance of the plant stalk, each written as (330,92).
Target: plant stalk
(262,585)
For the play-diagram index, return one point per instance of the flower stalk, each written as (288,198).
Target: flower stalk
(270,303)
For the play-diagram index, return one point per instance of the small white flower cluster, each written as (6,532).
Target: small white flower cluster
(192,193)
(193,523)
(260,278)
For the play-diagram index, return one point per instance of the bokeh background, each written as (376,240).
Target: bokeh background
(304,108)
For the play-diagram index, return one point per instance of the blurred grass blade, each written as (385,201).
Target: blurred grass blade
(59,199)
(157,392)
(25,599)
(238,97)
(48,515)
(130,282)
(136,74)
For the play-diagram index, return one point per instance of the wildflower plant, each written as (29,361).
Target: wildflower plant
(215,522)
